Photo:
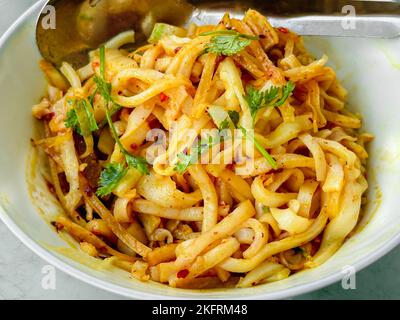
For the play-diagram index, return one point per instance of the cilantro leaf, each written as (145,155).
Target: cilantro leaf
(110,177)
(105,90)
(265,154)
(91,97)
(133,161)
(137,162)
(224,124)
(113,110)
(265,209)
(234,115)
(186,160)
(233,118)
(102,51)
(227,42)
(91,121)
(260,148)
(257,99)
(103,87)
(227,45)
(184,163)
(287,90)
(254,99)
(72,121)
(273,97)
(81,119)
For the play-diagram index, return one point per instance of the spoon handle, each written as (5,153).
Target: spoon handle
(376,19)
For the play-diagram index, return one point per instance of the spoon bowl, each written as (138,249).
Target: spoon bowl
(83,25)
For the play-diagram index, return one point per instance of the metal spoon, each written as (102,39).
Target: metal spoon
(83,25)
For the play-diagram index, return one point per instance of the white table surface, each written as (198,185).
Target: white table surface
(21,270)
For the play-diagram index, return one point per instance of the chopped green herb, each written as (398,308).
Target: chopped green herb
(161,30)
(133,161)
(227,42)
(113,110)
(304,253)
(257,99)
(265,209)
(91,97)
(110,177)
(186,160)
(105,88)
(89,115)
(102,51)
(234,115)
(260,148)
(273,97)
(137,162)
(81,118)
(287,90)
(224,124)
(72,121)
(233,118)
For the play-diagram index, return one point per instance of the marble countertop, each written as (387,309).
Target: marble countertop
(21,270)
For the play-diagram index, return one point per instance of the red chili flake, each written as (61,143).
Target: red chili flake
(154,123)
(218,61)
(119,92)
(213,179)
(283,30)
(57,225)
(97,232)
(88,191)
(50,186)
(134,146)
(262,36)
(300,92)
(95,64)
(163,97)
(315,244)
(191,91)
(177,49)
(48,116)
(246,77)
(182,274)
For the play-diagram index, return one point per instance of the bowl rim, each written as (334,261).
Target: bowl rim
(54,260)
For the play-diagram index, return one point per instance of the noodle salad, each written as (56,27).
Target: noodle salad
(214,156)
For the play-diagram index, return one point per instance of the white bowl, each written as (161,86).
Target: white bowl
(368,69)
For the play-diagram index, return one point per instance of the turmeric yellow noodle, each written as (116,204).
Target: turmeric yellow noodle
(214,156)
